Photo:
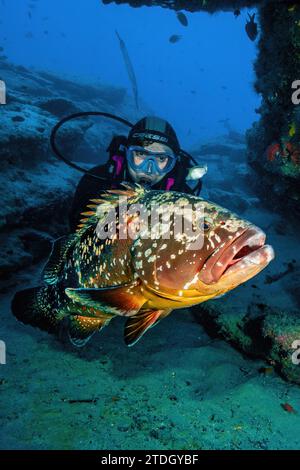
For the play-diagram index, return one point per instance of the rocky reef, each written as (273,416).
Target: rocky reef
(260,318)
(36,190)
(274,141)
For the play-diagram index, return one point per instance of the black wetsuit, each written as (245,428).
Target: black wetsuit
(91,188)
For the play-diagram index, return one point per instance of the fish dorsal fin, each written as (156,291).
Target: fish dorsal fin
(133,192)
(55,263)
(124,300)
(137,326)
(97,208)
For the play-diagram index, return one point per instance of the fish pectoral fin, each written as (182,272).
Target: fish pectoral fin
(137,326)
(115,300)
(54,266)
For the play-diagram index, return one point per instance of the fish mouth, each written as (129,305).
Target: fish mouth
(247,253)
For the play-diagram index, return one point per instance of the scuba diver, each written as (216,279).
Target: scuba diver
(150,156)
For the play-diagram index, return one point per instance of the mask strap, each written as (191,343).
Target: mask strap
(119,159)
(170,183)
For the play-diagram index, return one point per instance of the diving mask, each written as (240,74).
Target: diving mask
(150,162)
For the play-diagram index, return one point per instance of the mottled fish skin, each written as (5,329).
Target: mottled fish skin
(91,280)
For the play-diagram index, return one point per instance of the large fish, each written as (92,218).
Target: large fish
(130,69)
(88,279)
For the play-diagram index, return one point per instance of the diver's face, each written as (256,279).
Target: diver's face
(149,175)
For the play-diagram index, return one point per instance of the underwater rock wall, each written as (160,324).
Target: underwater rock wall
(210,6)
(274,142)
(36,190)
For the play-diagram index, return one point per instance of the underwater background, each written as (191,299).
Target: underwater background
(219,375)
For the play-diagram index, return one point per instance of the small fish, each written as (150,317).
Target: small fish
(196,173)
(90,279)
(251,27)
(174,38)
(237,13)
(29,35)
(287,407)
(182,18)
(130,70)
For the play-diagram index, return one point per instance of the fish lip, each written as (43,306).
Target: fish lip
(258,258)
(245,243)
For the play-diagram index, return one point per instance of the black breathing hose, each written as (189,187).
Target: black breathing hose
(56,128)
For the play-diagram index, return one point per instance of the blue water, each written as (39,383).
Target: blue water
(214,52)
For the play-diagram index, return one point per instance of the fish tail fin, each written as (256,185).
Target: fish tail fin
(35,307)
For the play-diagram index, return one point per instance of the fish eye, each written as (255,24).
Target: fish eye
(205,225)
